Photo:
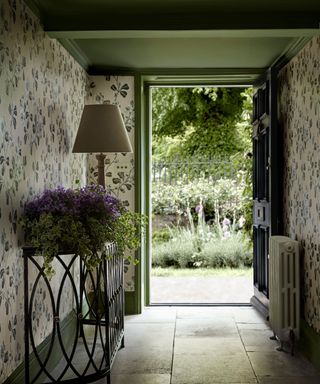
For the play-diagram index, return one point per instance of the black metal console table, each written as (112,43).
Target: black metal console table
(84,314)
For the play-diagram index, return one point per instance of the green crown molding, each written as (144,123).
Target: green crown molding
(211,33)
(34,7)
(76,53)
(291,51)
(187,76)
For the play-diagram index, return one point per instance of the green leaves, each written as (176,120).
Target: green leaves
(204,120)
(85,236)
(224,197)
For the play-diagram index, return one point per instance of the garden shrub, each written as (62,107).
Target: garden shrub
(220,198)
(161,236)
(189,249)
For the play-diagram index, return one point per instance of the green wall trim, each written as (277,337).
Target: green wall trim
(184,76)
(291,52)
(309,343)
(66,327)
(34,9)
(138,195)
(147,104)
(130,299)
(186,33)
(77,53)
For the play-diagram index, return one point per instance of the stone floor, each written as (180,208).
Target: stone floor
(204,345)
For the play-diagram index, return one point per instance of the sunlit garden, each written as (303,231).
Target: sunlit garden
(201,171)
(201,224)
(201,184)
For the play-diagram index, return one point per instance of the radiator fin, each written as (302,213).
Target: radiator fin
(284,305)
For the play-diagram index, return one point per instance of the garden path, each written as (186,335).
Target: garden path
(204,289)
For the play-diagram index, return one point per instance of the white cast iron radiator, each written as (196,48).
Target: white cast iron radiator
(284,289)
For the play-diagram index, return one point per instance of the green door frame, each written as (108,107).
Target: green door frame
(143,146)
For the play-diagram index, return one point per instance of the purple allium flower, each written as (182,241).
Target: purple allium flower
(199,208)
(226,222)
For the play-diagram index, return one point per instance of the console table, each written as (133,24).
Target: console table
(79,313)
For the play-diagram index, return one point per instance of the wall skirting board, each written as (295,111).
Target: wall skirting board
(131,303)
(66,326)
(309,343)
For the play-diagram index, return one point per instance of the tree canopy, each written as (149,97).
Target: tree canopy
(201,121)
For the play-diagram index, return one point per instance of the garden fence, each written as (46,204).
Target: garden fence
(174,170)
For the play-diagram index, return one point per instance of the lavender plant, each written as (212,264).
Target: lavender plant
(82,221)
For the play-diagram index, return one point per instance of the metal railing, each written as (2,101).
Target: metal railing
(177,169)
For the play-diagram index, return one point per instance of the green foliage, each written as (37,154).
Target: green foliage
(188,249)
(247,194)
(201,120)
(223,198)
(127,232)
(161,236)
(85,234)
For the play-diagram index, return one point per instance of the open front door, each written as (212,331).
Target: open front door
(266,184)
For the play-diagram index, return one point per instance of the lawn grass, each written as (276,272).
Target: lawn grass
(201,272)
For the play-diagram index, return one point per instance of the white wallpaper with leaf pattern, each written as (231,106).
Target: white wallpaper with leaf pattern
(299,114)
(42,95)
(119,168)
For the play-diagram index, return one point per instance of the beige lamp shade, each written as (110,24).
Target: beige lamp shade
(101,130)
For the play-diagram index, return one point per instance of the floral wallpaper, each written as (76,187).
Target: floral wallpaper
(299,114)
(42,95)
(119,168)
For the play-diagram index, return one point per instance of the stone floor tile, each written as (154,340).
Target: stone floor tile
(247,315)
(154,315)
(140,379)
(205,369)
(254,339)
(222,327)
(147,335)
(280,364)
(253,326)
(204,312)
(143,360)
(208,346)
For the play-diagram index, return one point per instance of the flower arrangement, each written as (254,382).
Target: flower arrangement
(80,220)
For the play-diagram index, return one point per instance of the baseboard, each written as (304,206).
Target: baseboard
(131,305)
(66,327)
(309,343)
(256,303)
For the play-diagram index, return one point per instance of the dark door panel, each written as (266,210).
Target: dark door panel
(266,182)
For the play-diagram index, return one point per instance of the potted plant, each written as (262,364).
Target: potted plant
(81,221)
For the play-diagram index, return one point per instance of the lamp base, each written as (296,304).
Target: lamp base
(101,178)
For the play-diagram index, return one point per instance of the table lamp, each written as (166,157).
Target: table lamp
(101,130)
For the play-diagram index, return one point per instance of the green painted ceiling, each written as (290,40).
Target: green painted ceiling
(244,36)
